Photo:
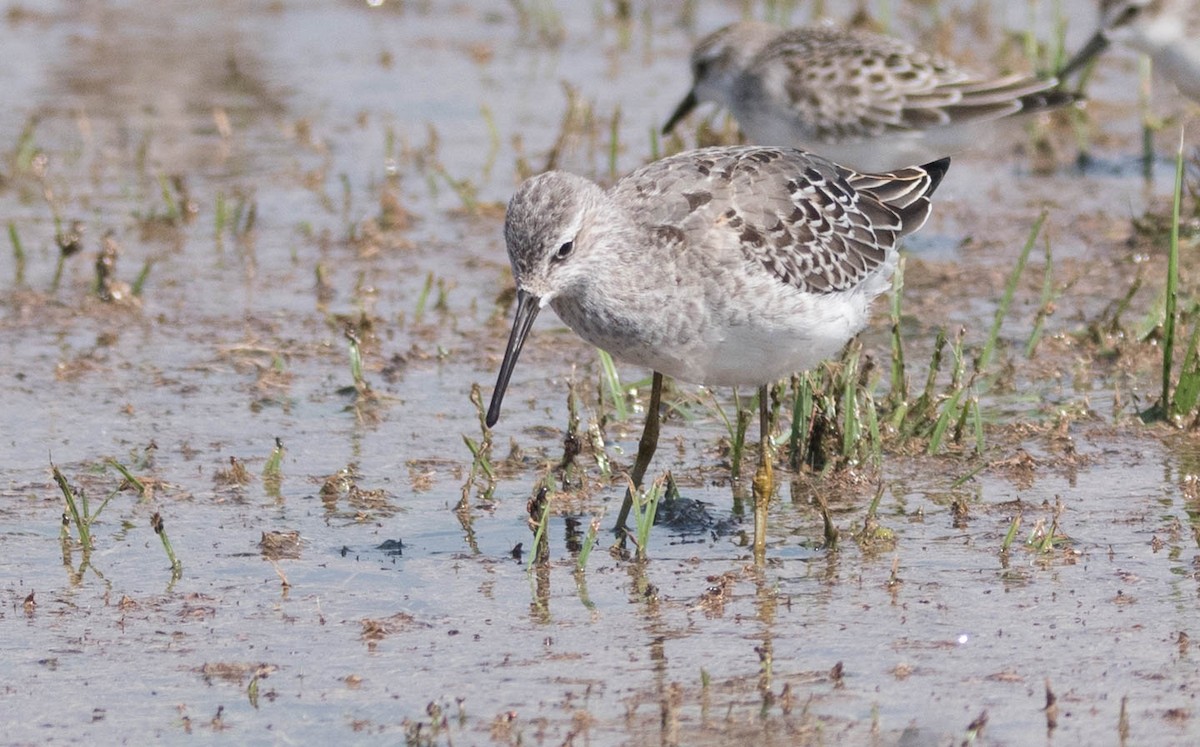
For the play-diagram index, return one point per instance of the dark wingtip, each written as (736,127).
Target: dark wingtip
(936,170)
(1054,98)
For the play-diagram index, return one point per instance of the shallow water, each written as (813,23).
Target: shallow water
(332,119)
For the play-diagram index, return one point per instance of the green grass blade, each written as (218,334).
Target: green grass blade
(875,446)
(645,509)
(1165,406)
(1150,123)
(977,420)
(80,519)
(949,413)
(738,446)
(1187,391)
(851,424)
(274,466)
(589,541)
(173,211)
(898,393)
(129,477)
(1045,304)
(423,299)
(140,282)
(802,412)
(1010,288)
(1013,528)
(539,541)
(157,524)
(612,381)
(18,253)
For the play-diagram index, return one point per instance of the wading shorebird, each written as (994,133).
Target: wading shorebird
(720,266)
(861,99)
(1168,31)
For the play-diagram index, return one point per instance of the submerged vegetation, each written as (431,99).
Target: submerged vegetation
(183,298)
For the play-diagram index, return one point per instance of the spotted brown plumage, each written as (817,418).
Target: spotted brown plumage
(862,99)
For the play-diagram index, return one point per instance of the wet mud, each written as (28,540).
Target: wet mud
(254,296)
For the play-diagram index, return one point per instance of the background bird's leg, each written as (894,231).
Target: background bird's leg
(764,481)
(646,447)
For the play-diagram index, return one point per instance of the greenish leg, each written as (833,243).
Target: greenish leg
(764,480)
(646,447)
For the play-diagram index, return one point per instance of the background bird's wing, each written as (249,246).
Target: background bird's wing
(857,85)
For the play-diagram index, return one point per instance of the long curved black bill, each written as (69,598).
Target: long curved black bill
(528,306)
(685,108)
(1097,44)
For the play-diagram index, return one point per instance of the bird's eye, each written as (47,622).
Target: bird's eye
(564,251)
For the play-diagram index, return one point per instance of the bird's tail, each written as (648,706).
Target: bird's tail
(905,192)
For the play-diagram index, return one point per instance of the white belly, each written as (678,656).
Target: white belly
(769,338)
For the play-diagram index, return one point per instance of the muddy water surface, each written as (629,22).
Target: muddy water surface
(284,173)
